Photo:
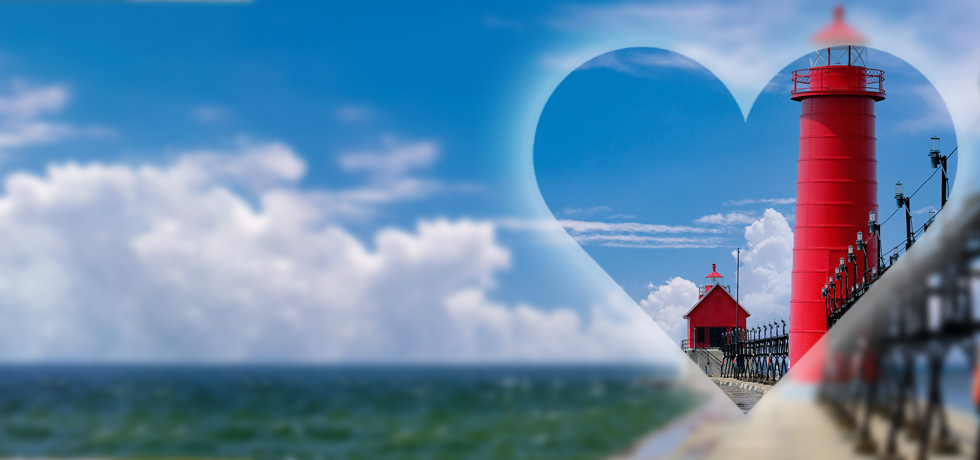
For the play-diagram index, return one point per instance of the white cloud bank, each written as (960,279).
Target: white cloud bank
(767,268)
(668,303)
(220,256)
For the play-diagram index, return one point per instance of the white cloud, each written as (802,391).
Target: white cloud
(613,330)
(730,218)
(745,44)
(25,111)
(578,226)
(649,242)
(746,201)
(639,235)
(668,303)
(26,102)
(572,211)
(767,266)
(256,166)
(395,159)
(641,63)
(221,257)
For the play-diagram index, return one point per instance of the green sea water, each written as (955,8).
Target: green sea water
(449,412)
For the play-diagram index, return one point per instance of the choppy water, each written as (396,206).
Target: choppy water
(332,412)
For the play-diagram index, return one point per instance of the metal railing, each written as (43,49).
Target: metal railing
(888,362)
(873,80)
(760,354)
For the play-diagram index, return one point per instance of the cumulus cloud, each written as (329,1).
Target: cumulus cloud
(220,256)
(667,304)
(767,266)
(613,330)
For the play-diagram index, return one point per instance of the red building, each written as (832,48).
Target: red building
(715,313)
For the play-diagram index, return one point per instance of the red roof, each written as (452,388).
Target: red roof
(838,32)
(714,273)
(712,293)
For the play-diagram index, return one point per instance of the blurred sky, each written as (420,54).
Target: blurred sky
(323,181)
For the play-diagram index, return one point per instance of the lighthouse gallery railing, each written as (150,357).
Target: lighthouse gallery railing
(870,80)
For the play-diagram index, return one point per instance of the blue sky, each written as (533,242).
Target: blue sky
(335,182)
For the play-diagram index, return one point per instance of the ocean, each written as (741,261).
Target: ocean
(333,412)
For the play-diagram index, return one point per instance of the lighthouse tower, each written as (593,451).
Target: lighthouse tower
(837,184)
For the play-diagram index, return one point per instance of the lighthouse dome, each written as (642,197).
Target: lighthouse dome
(838,32)
(839,44)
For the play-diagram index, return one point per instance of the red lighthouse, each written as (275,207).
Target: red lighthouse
(837,184)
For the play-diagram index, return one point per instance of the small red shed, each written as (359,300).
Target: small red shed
(715,313)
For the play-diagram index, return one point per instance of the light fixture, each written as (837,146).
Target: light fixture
(934,154)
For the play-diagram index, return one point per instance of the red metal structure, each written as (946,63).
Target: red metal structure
(713,314)
(837,182)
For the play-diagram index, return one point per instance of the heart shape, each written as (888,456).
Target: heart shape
(645,158)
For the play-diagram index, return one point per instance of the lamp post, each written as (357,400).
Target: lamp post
(826,304)
(902,200)
(864,250)
(876,232)
(833,292)
(853,260)
(937,159)
(845,288)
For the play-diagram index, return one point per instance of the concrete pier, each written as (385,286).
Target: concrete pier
(709,360)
